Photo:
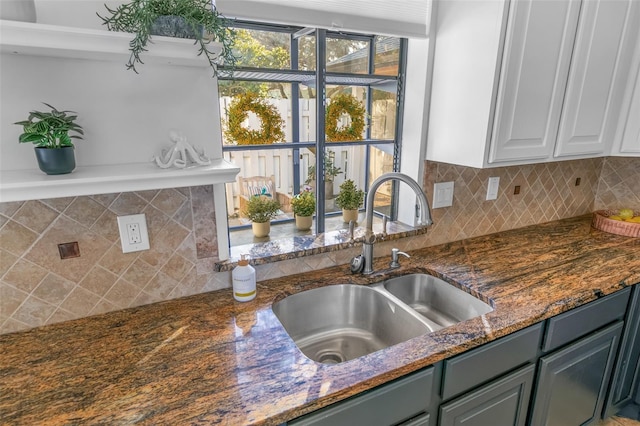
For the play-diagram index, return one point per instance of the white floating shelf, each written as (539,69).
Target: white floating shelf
(25,38)
(21,185)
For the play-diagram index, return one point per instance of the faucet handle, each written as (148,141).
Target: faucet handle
(395,263)
(384,225)
(352,226)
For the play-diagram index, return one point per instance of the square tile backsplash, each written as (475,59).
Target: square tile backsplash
(37,287)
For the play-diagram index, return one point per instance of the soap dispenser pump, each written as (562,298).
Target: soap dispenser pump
(244,280)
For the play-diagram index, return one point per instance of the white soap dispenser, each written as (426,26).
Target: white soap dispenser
(244,280)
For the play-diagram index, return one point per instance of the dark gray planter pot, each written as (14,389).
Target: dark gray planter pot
(56,161)
(174,26)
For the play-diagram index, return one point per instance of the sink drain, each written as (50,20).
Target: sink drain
(330,357)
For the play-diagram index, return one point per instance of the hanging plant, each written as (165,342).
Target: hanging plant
(270,126)
(344,104)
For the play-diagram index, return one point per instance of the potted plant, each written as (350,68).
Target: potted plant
(49,132)
(330,173)
(349,200)
(260,209)
(195,19)
(304,206)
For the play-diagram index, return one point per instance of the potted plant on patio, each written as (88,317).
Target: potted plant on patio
(194,19)
(49,132)
(304,206)
(330,173)
(349,200)
(260,209)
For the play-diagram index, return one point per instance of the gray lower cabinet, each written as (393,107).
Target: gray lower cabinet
(572,381)
(503,402)
(627,370)
(405,401)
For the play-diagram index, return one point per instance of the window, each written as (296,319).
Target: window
(278,71)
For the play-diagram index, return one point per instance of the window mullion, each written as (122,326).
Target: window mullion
(321,95)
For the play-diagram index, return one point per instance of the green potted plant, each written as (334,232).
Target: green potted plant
(330,173)
(195,19)
(349,200)
(304,206)
(49,132)
(260,209)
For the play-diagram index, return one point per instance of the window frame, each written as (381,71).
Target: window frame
(322,80)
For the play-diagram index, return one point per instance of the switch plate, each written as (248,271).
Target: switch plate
(133,233)
(492,188)
(442,194)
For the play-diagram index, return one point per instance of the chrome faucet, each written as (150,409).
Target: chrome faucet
(364,262)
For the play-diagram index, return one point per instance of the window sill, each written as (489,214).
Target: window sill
(301,246)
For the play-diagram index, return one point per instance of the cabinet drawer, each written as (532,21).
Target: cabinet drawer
(581,321)
(473,368)
(386,405)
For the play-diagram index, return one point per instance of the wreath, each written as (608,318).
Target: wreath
(344,104)
(271,122)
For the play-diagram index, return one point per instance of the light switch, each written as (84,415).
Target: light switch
(442,194)
(492,188)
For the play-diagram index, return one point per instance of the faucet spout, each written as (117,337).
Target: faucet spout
(369,237)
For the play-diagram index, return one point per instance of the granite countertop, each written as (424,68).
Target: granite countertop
(209,359)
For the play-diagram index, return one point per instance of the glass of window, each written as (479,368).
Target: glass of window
(383,114)
(262,49)
(255,113)
(347,56)
(387,56)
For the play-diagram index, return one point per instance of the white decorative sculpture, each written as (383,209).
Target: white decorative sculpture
(181,154)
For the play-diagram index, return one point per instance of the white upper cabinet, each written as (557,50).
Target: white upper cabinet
(598,76)
(529,81)
(535,64)
(627,140)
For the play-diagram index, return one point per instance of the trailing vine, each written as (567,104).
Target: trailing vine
(270,126)
(344,104)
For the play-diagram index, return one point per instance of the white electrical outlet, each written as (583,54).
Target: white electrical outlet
(133,233)
(442,194)
(492,188)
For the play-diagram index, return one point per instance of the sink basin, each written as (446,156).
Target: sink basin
(342,322)
(435,299)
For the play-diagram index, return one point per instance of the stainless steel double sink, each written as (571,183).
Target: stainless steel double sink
(342,322)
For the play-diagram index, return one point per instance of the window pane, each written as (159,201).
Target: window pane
(307,53)
(347,56)
(383,115)
(351,159)
(341,126)
(387,57)
(261,171)
(381,161)
(274,96)
(262,49)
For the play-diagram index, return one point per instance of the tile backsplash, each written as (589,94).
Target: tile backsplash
(37,287)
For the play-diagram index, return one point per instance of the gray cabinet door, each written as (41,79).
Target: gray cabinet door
(572,381)
(503,402)
(626,372)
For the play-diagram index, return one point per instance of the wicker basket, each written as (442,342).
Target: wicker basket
(602,222)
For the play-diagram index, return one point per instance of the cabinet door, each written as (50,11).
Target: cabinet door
(606,36)
(535,67)
(626,371)
(573,380)
(630,144)
(503,402)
